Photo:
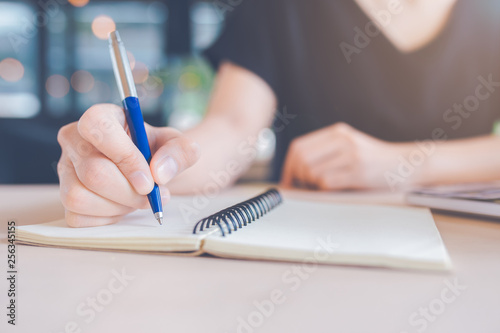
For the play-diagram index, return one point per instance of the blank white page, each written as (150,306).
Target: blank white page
(366,235)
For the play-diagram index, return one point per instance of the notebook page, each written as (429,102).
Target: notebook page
(138,231)
(343,234)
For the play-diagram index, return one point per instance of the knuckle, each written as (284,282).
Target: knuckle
(74,199)
(62,168)
(342,127)
(64,132)
(189,152)
(74,220)
(71,220)
(351,151)
(88,119)
(95,118)
(93,175)
(349,141)
(128,159)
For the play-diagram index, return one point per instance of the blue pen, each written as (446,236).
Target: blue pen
(128,94)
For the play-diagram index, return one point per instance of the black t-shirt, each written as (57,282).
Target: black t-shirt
(301,49)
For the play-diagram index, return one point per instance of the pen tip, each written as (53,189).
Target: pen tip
(159,217)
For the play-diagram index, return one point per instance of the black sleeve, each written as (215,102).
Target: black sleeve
(246,40)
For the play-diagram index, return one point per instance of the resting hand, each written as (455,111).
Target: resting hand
(339,157)
(104,176)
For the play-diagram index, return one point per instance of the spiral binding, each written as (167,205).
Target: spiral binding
(241,214)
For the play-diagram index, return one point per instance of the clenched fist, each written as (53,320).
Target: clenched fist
(340,157)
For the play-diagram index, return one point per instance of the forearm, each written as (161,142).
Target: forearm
(225,154)
(466,160)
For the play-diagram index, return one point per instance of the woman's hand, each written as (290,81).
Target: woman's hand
(340,157)
(104,176)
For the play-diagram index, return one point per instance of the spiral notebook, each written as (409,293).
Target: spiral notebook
(266,227)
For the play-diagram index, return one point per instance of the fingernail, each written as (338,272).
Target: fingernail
(167,169)
(141,182)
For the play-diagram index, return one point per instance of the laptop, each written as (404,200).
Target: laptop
(475,198)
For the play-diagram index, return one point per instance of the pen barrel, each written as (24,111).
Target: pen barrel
(135,123)
(137,130)
(154,199)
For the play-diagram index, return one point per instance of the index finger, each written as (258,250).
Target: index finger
(103,126)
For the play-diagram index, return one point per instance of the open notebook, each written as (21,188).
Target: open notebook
(298,231)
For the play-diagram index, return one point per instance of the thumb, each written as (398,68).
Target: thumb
(175,153)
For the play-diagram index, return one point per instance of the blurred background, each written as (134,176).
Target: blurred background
(55,63)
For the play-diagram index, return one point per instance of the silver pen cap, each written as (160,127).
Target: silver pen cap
(121,66)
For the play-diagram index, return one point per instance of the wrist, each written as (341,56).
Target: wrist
(410,164)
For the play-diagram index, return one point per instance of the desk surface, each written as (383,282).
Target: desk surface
(62,290)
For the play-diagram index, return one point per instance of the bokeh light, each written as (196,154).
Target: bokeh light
(82,81)
(140,72)
(78,3)
(57,86)
(102,26)
(11,70)
(189,81)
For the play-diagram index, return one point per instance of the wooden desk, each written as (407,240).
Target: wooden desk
(181,294)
